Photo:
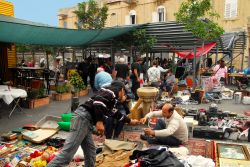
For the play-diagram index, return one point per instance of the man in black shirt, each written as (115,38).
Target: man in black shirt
(135,77)
(92,72)
(121,70)
(82,69)
(92,112)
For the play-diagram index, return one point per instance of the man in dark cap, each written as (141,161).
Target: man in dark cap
(92,112)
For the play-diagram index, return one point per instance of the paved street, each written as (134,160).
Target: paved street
(56,108)
(18,119)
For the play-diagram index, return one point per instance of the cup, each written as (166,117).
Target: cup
(64,125)
(66,117)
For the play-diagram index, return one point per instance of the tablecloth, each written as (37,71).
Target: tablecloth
(9,95)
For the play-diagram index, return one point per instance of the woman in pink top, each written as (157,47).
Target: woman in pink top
(220,71)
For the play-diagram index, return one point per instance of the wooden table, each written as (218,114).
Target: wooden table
(236,75)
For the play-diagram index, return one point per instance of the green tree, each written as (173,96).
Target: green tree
(90,16)
(138,39)
(142,41)
(197,17)
(193,13)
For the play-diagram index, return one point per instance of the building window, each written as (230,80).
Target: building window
(231,9)
(65,24)
(113,19)
(132,17)
(161,13)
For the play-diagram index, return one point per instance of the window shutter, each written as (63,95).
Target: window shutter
(231,8)
(127,20)
(234,8)
(154,17)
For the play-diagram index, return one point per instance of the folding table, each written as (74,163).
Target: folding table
(12,94)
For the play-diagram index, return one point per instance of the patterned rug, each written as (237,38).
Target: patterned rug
(195,146)
(201,147)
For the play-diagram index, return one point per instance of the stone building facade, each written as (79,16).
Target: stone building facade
(234,15)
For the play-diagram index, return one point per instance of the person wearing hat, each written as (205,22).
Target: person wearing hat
(135,77)
(91,113)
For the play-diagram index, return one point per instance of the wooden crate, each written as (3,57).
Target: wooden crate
(61,96)
(84,92)
(40,102)
(34,103)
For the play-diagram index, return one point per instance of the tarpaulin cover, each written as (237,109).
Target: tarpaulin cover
(14,30)
(190,53)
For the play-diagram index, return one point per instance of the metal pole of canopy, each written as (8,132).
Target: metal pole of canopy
(194,68)
(243,55)
(131,55)
(73,56)
(231,64)
(47,59)
(231,60)
(173,63)
(112,56)
(84,52)
(242,61)
(205,61)
(90,52)
(216,57)
(63,58)
(151,58)
(147,61)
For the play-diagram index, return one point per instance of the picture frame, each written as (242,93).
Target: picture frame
(231,151)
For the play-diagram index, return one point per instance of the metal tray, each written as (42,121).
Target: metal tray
(48,122)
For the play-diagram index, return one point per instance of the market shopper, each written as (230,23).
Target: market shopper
(102,79)
(121,70)
(220,72)
(135,77)
(154,75)
(83,70)
(92,112)
(171,130)
(114,126)
(169,82)
(92,71)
